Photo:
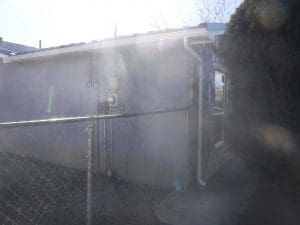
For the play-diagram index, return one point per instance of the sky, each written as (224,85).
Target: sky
(57,22)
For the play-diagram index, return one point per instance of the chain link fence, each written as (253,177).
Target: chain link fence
(36,192)
(39,183)
(36,187)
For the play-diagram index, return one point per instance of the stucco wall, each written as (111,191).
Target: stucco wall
(151,149)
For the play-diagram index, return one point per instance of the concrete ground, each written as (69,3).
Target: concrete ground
(118,202)
(222,201)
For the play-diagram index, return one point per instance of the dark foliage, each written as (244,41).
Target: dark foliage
(261,53)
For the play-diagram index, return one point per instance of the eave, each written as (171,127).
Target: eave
(197,36)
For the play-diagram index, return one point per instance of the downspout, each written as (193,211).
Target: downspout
(188,48)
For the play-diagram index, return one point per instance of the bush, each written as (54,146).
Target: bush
(261,53)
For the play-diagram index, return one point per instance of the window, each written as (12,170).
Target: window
(218,106)
(219,90)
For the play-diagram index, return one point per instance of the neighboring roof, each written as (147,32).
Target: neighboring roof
(214,29)
(9,48)
(213,26)
(4,51)
(197,32)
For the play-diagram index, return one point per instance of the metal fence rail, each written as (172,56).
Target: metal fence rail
(58,183)
(82,119)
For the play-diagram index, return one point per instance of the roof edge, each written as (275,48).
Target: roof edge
(200,33)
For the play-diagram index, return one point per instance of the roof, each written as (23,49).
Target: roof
(109,39)
(199,32)
(9,48)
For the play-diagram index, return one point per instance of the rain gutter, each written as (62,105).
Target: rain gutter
(135,40)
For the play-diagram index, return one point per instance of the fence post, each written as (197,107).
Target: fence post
(90,134)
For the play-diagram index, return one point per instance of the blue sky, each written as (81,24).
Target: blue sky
(58,22)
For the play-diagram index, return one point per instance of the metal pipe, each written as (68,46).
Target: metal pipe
(110,147)
(83,118)
(195,55)
(89,207)
(104,161)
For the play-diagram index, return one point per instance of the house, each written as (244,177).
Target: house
(170,70)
